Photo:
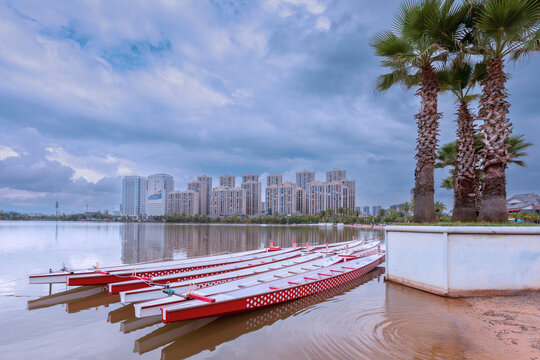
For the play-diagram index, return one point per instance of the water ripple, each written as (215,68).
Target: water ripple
(409,324)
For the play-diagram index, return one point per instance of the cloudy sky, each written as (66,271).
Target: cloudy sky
(91,91)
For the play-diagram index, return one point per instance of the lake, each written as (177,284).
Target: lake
(364,319)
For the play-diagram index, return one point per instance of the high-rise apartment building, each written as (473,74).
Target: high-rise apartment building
(328,195)
(227,181)
(365,210)
(284,199)
(250,178)
(375,210)
(350,201)
(183,202)
(274,179)
(304,177)
(208,181)
(202,188)
(253,189)
(133,196)
(336,175)
(227,201)
(158,187)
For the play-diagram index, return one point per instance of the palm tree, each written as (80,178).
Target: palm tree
(341,212)
(460,79)
(424,31)
(509,28)
(405,207)
(447,157)
(439,207)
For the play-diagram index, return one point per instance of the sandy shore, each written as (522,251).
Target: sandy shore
(513,320)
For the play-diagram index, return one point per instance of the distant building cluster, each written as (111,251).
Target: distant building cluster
(523,203)
(367,211)
(155,195)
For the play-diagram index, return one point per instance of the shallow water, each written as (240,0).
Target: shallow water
(364,319)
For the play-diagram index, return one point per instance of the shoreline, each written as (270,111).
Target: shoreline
(334,226)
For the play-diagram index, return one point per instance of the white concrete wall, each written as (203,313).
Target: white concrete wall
(464,261)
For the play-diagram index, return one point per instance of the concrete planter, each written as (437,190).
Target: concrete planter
(464,261)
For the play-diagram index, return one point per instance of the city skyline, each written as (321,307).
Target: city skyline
(89,96)
(305,196)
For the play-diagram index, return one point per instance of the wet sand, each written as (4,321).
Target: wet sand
(514,321)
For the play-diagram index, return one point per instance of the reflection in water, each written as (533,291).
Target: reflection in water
(76,299)
(168,333)
(122,313)
(412,315)
(149,242)
(64,297)
(133,323)
(101,299)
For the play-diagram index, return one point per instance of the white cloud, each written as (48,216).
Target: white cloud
(322,24)
(285,8)
(180,88)
(6,152)
(91,168)
(20,195)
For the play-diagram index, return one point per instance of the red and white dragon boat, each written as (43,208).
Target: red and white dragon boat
(203,304)
(183,291)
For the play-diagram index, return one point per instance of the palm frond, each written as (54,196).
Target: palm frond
(387,44)
(448,183)
(471,97)
(504,25)
(529,46)
(447,155)
(480,71)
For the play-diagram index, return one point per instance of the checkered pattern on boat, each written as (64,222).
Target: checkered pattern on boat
(308,289)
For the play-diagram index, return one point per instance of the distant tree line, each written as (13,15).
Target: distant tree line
(343,215)
(62,217)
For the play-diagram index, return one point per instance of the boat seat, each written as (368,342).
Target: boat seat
(247,284)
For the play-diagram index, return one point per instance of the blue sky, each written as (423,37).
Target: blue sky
(95,90)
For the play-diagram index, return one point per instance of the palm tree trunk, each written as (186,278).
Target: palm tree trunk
(493,111)
(427,121)
(465,174)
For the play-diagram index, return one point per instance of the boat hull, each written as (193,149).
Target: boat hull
(266,299)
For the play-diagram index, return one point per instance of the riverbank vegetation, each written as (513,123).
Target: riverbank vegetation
(347,217)
(98,216)
(351,217)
